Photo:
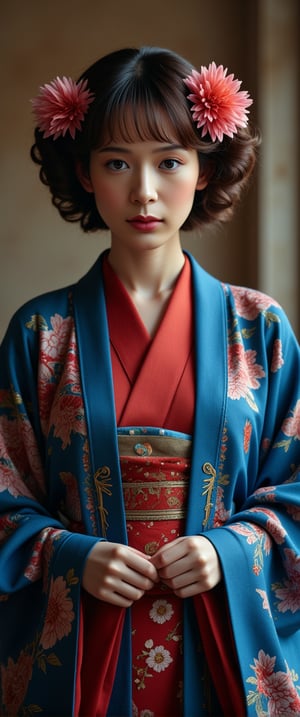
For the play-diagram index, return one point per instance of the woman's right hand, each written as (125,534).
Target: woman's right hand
(117,574)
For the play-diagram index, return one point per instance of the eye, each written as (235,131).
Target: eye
(170,164)
(117,164)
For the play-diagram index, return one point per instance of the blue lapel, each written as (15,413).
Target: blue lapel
(211,390)
(98,395)
(211,393)
(211,396)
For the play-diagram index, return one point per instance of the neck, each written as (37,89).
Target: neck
(147,273)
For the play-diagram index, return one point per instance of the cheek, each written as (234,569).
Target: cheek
(184,193)
(107,199)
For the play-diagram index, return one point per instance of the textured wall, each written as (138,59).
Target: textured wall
(39,40)
(279,100)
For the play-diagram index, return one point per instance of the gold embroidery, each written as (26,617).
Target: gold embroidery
(209,483)
(152,515)
(101,479)
(155,500)
(167,484)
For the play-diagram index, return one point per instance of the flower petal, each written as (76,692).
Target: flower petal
(219,107)
(61,106)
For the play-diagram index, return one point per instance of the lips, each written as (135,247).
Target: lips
(144,223)
(144,219)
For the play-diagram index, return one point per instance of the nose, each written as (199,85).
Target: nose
(143,188)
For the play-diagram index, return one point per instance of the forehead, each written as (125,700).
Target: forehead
(135,123)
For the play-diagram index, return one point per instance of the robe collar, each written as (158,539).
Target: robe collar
(137,356)
(98,395)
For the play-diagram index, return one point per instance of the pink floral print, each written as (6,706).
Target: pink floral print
(277,357)
(22,445)
(53,341)
(15,678)
(67,417)
(247,435)
(250,303)
(260,540)
(33,570)
(273,524)
(221,514)
(16,675)
(275,693)
(288,592)
(59,365)
(294,511)
(265,600)
(244,373)
(60,614)
(291,426)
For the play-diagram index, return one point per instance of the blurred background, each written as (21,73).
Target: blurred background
(258,40)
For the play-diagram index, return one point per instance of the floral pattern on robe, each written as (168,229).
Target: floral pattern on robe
(244,492)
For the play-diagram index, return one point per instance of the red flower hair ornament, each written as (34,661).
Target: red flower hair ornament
(219,106)
(61,106)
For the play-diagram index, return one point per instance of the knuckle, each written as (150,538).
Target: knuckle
(192,543)
(118,551)
(163,562)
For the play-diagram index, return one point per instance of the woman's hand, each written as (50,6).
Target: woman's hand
(188,565)
(117,574)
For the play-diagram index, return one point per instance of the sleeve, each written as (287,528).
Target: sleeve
(271,506)
(259,544)
(40,562)
(28,531)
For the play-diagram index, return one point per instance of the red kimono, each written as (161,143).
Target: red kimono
(155,470)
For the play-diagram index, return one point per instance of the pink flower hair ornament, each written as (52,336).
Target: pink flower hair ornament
(61,106)
(219,106)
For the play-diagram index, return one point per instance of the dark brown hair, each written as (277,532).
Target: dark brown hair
(142,93)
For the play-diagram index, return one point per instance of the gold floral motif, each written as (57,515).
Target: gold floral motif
(209,484)
(102,484)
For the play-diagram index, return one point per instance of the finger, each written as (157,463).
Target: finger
(119,572)
(178,567)
(186,586)
(171,552)
(192,582)
(118,592)
(143,566)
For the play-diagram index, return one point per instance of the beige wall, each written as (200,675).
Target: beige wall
(39,40)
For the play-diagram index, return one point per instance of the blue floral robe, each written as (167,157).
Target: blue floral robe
(59,466)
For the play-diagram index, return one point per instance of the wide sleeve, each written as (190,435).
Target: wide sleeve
(257,522)
(40,561)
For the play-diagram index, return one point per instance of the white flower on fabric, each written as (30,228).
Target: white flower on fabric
(149,644)
(146,713)
(161,611)
(159,659)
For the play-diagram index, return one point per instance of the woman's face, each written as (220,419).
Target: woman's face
(144,190)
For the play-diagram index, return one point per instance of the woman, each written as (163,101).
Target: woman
(149,417)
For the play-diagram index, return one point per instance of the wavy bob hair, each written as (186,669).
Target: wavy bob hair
(140,94)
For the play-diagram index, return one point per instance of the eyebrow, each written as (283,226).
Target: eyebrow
(124,150)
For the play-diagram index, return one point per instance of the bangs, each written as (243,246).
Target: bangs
(147,119)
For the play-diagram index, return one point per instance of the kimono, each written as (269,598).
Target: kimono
(61,491)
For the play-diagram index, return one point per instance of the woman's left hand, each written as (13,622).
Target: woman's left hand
(188,565)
